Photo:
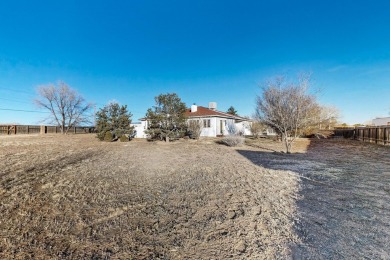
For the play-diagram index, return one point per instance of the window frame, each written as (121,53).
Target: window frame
(206,123)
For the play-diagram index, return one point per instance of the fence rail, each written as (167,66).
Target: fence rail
(42,129)
(377,134)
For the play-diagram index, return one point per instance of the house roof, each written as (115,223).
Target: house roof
(206,112)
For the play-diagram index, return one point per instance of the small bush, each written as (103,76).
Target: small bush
(108,136)
(124,138)
(257,129)
(232,140)
(101,135)
(194,128)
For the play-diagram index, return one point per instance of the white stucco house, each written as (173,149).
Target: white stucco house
(216,123)
(381,121)
(140,128)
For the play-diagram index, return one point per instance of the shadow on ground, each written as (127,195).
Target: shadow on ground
(344,205)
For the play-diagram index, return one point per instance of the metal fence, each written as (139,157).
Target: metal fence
(41,129)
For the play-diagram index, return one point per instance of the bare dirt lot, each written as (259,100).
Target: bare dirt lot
(344,205)
(75,197)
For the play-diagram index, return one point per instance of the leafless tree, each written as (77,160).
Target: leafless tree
(67,107)
(195,127)
(328,117)
(257,128)
(288,108)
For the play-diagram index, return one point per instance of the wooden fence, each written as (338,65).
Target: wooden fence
(41,129)
(372,134)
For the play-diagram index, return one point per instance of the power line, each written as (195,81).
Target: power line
(17,90)
(14,100)
(22,110)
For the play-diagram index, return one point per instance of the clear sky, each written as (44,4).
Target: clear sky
(131,51)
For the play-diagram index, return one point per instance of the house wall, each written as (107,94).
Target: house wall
(212,130)
(218,126)
(140,128)
(244,127)
(270,131)
(216,123)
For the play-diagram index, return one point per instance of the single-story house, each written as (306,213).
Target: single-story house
(140,128)
(381,121)
(216,123)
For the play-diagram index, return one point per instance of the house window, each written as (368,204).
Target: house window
(206,123)
(271,131)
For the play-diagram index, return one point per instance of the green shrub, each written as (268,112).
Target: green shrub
(101,135)
(124,138)
(115,119)
(108,136)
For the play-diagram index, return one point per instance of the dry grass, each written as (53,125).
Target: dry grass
(75,197)
(344,205)
(232,140)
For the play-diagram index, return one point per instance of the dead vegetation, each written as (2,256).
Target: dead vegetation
(75,197)
(344,205)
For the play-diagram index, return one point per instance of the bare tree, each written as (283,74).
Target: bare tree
(328,117)
(67,108)
(257,128)
(235,135)
(288,108)
(195,127)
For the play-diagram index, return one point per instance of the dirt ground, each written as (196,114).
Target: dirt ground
(75,197)
(343,211)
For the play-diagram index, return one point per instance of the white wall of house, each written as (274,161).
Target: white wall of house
(209,128)
(270,131)
(244,127)
(218,126)
(212,127)
(380,121)
(140,127)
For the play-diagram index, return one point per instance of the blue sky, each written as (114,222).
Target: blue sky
(221,51)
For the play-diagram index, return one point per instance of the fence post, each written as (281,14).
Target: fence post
(376,135)
(369,135)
